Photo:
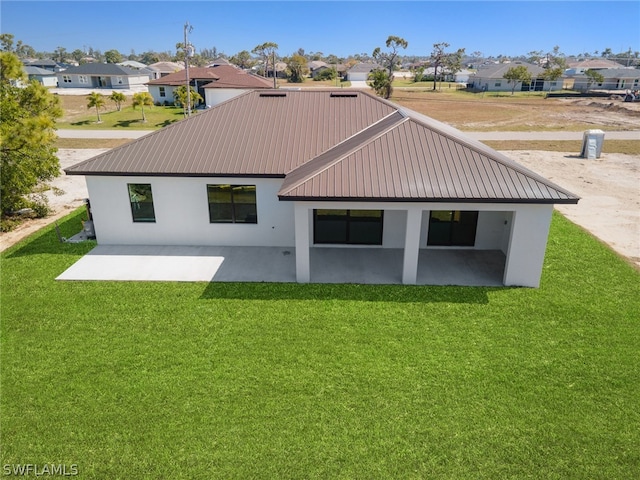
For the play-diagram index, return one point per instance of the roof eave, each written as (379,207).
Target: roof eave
(294,198)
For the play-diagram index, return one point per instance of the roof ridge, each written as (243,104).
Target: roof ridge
(324,160)
(481,148)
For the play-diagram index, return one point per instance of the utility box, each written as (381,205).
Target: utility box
(592,141)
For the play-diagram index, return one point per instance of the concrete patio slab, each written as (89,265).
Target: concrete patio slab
(277,264)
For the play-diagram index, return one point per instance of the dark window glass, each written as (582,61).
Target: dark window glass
(357,227)
(452,228)
(141,198)
(232,203)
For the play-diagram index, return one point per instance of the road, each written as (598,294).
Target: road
(620,135)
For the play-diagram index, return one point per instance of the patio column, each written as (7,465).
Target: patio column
(411,246)
(303,270)
(527,245)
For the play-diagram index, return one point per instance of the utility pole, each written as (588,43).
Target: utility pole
(188,51)
(275,83)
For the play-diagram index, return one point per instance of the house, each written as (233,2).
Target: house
(490,78)
(46,77)
(360,71)
(614,79)
(162,69)
(340,68)
(45,64)
(361,172)
(214,84)
(579,67)
(101,75)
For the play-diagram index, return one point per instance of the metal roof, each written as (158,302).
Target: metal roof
(330,145)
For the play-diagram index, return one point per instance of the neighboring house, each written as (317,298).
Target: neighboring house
(360,71)
(101,75)
(361,172)
(491,79)
(339,67)
(614,79)
(214,84)
(132,64)
(45,77)
(45,64)
(579,67)
(162,69)
(220,61)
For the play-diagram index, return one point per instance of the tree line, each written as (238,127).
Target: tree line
(247,59)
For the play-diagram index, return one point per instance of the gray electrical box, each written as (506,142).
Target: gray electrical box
(592,141)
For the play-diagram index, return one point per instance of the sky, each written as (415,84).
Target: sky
(342,28)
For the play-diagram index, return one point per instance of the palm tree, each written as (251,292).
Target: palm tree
(142,99)
(118,98)
(96,100)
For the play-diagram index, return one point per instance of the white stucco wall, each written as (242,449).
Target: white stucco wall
(214,96)
(527,245)
(182,214)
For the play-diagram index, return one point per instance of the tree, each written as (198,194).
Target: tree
(452,62)
(381,82)
(94,99)
(386,60)
(593,76)
(113,56)
(266,51)
(27,137)
(243,60)
(517,74)
(6,42)
(441,59)
(59,53)
(298,69)
(77,55)
(118,98)
(180,97)
(142,99)
(554,64)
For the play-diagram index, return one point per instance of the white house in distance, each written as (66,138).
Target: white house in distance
(312,169)
(360,71)
(101,75)
(491,79)
(214,84)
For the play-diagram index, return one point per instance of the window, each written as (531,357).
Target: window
(232,204)
(119,80)
(498,84)
(141,199)
(66,78)
(355,227)
(82,79)
(452,228)
(162,92)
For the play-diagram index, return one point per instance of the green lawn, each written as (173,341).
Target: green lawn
(200,381)
(128,117)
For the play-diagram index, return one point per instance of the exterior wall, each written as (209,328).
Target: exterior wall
(112,81)
(154,90)
(182,214)
(214,96)
(627,83)
(491,84)
(527,245)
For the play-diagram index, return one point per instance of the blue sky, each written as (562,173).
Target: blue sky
(338,27)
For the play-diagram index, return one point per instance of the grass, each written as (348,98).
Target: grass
(197,380)
(128,117)
(629,147)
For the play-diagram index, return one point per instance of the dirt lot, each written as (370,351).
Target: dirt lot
(524,113)
(609,186)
